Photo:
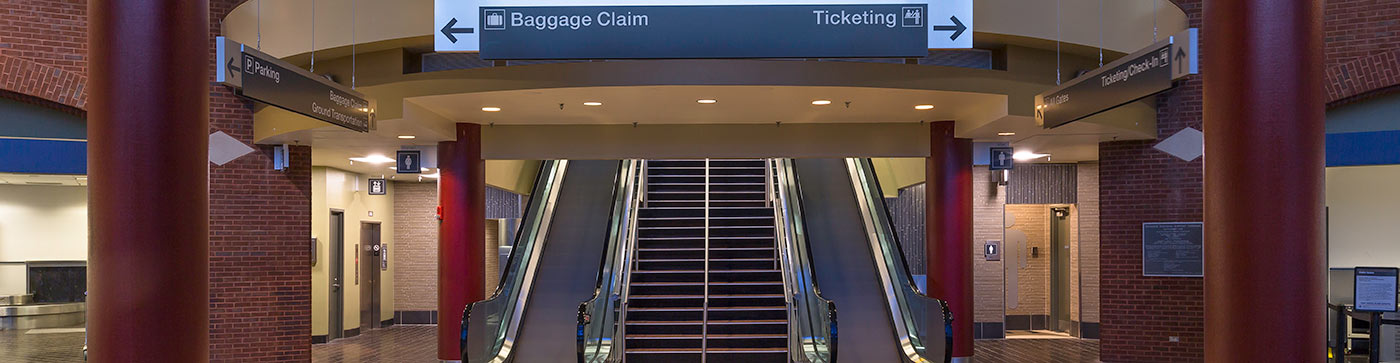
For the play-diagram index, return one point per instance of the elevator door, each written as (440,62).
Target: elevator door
(336,269)
(1059,270)
(369,276)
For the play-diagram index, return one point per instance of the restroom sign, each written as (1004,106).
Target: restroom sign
(378,187)
(652,29)
(410,162)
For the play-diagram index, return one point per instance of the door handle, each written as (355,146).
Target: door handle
(335,287)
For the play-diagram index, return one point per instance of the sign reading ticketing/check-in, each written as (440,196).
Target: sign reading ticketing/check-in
(642,29)
(1131,78)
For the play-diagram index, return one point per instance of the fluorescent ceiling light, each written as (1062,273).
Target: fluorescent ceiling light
(374,159)
(706,101)
(923,107)
(407,137)
(1027,155)
(491,109)
(395,168)
(592,103)
(433,175)
(1006,134)
(821,102)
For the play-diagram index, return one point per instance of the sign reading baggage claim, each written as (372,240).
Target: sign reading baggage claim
(1131,78)
(653,29)
(270,80)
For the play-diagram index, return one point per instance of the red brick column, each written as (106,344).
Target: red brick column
(1264,115)
(949,230)
(148,203)
(461,257)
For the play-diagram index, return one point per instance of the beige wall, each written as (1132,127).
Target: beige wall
(337,189)
(39,222)
(1363,205)
(416,230)
(988,276)
(1087,219)
(1033,281)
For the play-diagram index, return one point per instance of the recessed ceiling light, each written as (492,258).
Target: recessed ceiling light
(923,107)
(491,109)
(407,137)
(706,101)
(821,102)
(375,159)
(592,103)
(1006,134)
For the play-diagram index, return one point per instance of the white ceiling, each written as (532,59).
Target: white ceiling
(735,104)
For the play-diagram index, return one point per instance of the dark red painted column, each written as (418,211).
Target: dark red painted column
(148,180)
(949,229)
(461,236)
(1263,106)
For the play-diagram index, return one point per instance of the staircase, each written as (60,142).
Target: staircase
(677,311)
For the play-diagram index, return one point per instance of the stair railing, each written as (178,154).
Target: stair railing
(812,331)
(602,320)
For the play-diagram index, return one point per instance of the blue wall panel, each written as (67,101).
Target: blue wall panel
(1363,148)
(43,156)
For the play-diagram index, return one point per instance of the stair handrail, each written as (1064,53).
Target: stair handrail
(812,334)
(909,308)
(602,340)
(499,315)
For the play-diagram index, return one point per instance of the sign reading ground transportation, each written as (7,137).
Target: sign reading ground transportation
(1173,249)
(1131,78)
(641,29)
(1375,288)
(269,80)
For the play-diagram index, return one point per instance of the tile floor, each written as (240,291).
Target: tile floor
(415,343)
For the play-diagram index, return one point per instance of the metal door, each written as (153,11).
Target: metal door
(336,269)
(369,275)
(1059,270)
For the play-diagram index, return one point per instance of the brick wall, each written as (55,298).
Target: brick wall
(260,229)
(1140,184)
(415,230)
(52,33)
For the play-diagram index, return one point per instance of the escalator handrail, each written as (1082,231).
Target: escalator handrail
(871,185)
(551,176)
(791,200)
(625,206)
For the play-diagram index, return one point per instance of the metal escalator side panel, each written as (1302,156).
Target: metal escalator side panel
(597,329)
(911,310)
(843,264)
(487,324)
(813,325)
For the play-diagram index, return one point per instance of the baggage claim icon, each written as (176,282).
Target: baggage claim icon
(495,19)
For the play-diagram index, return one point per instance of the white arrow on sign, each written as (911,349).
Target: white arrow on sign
(457,23)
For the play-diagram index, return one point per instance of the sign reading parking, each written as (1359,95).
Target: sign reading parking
(642,29)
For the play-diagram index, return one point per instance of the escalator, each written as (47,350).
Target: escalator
(860,267)
(720,260)
(532,315)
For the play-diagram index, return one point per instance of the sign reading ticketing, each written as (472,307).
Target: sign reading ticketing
(640,29)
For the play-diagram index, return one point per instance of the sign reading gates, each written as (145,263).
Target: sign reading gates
(270,80)
(1131,78)
(637,29)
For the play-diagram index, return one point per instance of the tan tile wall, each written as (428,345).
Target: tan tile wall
(1033,281)
(493,260)
(415,255)
(987,276)
(1088,207)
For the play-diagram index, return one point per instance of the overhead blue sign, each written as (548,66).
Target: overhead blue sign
(1000,158)
(752,31)
(409,161)
(635,29)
